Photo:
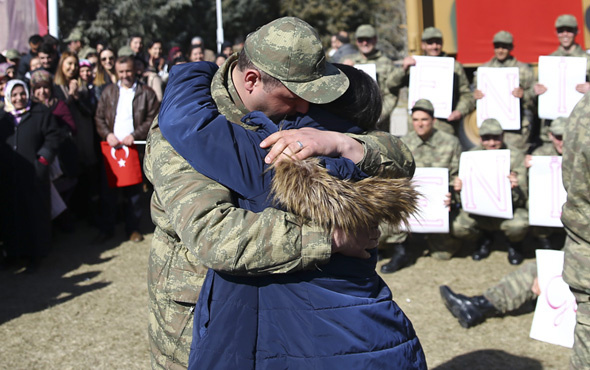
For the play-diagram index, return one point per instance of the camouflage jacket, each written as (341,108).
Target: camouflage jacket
(198,224)
(384,67)
(576,170)
(440,150)
(546,149)
(519,193)
(526,79)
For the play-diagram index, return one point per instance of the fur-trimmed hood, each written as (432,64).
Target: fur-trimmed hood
(308,190)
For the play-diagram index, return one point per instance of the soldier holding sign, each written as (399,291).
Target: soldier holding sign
(475,227)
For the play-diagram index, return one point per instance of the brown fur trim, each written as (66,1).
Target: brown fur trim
(308,190)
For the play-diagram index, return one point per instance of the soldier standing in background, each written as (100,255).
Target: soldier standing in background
(503,45)
(366,42)
(463,102)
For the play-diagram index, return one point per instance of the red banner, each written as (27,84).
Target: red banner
(122,165)
(531,22)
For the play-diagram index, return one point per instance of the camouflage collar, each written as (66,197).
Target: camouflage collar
(225,95)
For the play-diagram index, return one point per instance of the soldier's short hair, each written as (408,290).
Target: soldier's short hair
(270,83)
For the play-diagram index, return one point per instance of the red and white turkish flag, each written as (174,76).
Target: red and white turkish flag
(122,165)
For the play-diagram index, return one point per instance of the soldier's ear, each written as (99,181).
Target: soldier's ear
(251,79)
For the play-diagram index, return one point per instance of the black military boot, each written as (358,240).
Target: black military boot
(398,260)
(470,311)
(515,256)
(485,248)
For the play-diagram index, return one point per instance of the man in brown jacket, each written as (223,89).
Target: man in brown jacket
(124,114)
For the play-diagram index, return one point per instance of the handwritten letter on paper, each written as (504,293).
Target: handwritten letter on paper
(546,191)
(560,75)
(432,78)
(432,216)
(498,102)
(555,314)
(486,188)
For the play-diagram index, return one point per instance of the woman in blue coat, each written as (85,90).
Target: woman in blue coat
(338,316)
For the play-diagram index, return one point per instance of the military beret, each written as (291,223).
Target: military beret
(558,126)
(75,35)
(12,54)
(125,51)
(490,126)
(365,31)
(291,51)
(566,20)
(431,33)
(503,37)
(424,105)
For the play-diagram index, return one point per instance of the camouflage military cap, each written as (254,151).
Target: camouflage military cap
(424,105)
(125,51)
(365,31)
(490,126)
(75,35)
(431,33)
(566,20)
(12,54)
(503,37)
(290,50)
(558,126)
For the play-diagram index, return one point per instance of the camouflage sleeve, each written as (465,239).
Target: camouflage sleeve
(519,194)
(454,165)
(385,155)
(527,81)
(466,102)
(222,236)
(398,78)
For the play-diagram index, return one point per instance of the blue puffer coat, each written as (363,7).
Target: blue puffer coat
(339,316)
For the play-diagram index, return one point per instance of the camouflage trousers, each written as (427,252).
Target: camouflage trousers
(514,289)
(576,273)
(469,227)
(173,289)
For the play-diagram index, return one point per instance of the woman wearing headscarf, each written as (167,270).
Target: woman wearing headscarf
(30,139)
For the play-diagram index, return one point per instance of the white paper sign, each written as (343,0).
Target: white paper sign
(555,314)
(498,102)
(432,215)
(546,191)
(486,187)
(368,68)
(432,78)
(560,75)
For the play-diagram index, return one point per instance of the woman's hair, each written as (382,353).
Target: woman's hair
(60,78)
(151,43)
(101,73)
(362,103)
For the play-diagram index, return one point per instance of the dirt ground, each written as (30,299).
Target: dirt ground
(87,308)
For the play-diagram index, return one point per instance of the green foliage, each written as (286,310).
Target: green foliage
(176,21)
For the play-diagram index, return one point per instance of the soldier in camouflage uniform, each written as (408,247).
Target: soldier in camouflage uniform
(503,45)
(566,28)
(431,148)
(554,148)
(516,288)
(198,225)
(473,227)
(463,102)
(511,292)
(366,41)
(575,217)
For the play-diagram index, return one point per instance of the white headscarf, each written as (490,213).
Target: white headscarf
(8,107)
